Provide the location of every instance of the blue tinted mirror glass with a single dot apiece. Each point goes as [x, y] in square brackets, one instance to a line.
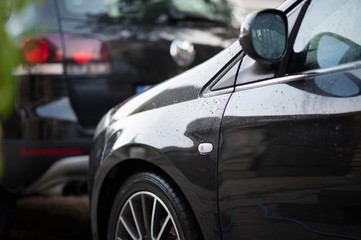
[269, 36]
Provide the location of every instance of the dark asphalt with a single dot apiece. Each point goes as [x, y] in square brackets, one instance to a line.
[52, 218]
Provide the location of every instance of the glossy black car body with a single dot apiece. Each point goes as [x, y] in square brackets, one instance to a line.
[266, 149]
[83, 57]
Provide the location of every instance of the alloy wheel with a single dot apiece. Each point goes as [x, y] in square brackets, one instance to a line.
[145, 216]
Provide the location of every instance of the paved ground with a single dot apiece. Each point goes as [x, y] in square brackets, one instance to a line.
[52, 218]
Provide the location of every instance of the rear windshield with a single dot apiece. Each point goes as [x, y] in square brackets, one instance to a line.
[148, 10]
[39, 16]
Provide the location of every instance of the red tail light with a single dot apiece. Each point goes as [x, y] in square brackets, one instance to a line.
[57, 54]
[82, 56]
[36, 51]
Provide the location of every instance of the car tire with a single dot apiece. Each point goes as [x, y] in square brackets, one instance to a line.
[7, 213]
[147, 206]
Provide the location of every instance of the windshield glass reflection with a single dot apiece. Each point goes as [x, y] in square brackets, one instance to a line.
[153, 10]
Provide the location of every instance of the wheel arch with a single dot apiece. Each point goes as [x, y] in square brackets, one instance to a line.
[113, 181]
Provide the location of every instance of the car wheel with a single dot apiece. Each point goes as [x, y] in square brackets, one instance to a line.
[148, 207]
[7, 213]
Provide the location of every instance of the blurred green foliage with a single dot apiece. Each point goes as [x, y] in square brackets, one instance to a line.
[9, 57]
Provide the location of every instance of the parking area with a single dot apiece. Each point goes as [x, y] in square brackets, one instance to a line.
[52, 218]
[262, 141]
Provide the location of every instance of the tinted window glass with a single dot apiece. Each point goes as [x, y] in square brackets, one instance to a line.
[327, 35]
[83, 7]
[218, 10]
[213, 9]
[36, 16]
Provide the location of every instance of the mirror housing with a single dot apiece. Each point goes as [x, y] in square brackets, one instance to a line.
[264, 36]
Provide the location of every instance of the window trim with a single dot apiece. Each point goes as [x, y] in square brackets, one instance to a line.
[209, 88]
[299, 76]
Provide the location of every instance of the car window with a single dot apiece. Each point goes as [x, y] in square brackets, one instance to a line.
[212, 9]
[327, 36]
[156, 10]
[39, 15]
[227, 77]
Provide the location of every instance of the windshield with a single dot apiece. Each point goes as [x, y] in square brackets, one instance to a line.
[150, 10]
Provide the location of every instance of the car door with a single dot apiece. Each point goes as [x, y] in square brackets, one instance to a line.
[289, 158]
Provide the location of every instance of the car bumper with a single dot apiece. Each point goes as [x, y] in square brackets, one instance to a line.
[30, 166]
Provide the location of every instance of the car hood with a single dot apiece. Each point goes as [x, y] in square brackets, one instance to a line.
[181, 88]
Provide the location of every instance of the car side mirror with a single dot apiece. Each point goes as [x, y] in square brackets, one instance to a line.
[264, 36]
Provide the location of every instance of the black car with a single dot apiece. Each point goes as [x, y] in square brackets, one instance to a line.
[82, 57]
[262, 141]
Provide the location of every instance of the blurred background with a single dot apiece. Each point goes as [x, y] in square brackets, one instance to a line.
[243, 7]
[63, 64]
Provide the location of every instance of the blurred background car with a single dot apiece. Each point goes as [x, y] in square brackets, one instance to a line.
[269, 150]
[79, 58]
